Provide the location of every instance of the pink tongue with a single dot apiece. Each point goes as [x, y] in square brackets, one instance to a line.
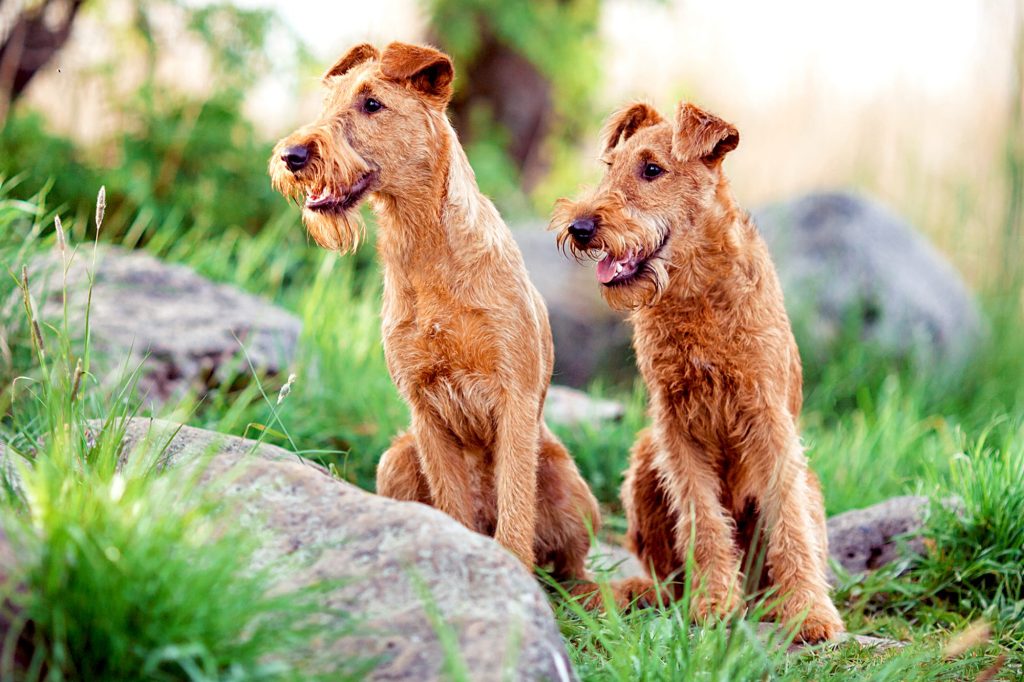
[606, 269]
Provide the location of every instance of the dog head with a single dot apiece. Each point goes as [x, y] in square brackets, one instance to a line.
[645, 217]
[376, 134]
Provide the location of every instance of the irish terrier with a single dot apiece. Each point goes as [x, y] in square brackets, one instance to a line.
[465, 333]
[714, 345]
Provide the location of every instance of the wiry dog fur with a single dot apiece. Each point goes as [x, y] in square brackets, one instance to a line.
[714, 345]
[465, 333]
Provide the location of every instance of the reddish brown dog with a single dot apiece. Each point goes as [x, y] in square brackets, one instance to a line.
[715, 348]
[465, 333]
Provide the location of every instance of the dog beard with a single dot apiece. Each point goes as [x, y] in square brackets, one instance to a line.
[338, 228]
[336, 231]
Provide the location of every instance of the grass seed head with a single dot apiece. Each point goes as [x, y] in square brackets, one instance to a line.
[62, 242]
[101, 207]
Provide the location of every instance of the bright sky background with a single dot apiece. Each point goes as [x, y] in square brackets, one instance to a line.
[858, 42]
[861, 44]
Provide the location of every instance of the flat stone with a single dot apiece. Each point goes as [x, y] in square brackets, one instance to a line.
[876, 644]
[866, 539]
[571, 407]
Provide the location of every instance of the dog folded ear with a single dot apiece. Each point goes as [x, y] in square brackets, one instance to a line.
[357, 55]
[624, 123]
[700, 135]
[427, 70]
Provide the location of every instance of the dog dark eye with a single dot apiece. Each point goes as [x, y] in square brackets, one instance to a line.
[652, 170]
[372, 106]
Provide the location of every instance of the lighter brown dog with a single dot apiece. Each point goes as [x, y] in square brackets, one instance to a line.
[715, 348]
[465, 333]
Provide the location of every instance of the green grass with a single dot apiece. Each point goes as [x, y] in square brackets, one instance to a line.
[873, 429]
[977, 556]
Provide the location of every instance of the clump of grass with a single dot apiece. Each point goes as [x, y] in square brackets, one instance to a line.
[890, 424]
[661, 643]
[665, 643]
[976, 543]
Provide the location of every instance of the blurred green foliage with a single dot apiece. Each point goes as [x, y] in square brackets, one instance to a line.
[549, 33]
[176, 158]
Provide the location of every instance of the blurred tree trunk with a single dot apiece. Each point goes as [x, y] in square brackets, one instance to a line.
[518, 98]
[528, 70]
[31, 34]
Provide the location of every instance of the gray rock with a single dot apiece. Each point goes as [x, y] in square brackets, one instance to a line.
[590, 338]
[846, 260]
[185, 331]
[394, 561]
[876, 644]
[569, 407]
[866, 539]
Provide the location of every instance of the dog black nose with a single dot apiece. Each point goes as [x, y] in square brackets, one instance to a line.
[582, 229]
[295, 157]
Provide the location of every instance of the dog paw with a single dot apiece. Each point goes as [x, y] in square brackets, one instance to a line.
[822, 624]
[639, 593]
[720, 605]
[626, 595]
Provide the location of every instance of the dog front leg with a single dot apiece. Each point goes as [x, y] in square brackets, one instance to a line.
[516, 452]
[794, 546]
[703, 526]
[443, 466]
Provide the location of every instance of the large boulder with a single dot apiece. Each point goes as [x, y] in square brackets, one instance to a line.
[848, 263]
[393, 562]
[184, 330]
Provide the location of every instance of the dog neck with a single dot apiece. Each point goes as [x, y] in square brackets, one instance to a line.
[444, 218]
